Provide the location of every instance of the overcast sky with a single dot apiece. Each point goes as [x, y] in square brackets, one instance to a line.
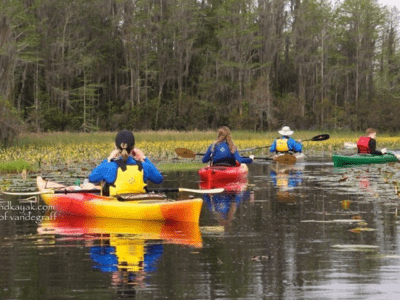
[390, 2]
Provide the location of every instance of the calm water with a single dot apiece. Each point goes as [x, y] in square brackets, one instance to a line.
[308, 232]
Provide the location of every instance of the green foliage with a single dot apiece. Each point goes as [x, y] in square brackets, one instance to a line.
[82, 65]
[54, 120]
[10, 123]
[174, 167]
[15, 166]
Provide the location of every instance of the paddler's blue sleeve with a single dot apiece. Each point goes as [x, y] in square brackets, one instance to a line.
[150, 172]
[273, 147]
[272, 174]
[294, 146]
[295, 179]
[207, 199]
[106, 171]
[242, 160]
[207, 156]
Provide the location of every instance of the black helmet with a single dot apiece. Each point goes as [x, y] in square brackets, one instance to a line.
[125, 137]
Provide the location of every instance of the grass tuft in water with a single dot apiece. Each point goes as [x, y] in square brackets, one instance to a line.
[180, 166]
[15, 166]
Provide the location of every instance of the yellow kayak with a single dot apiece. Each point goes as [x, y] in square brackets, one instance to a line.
[183, 233]
[94, 205]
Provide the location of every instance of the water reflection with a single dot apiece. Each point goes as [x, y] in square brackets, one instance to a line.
[128, 249]
[286, 178]
[364, 184]
[224, 205]
[129, 260]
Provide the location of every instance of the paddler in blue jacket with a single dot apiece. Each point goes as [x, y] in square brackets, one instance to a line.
[223, 151]
[285, 143]
[122, 173]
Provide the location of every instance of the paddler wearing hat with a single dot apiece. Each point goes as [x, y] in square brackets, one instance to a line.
[285, 143]
[126, 170]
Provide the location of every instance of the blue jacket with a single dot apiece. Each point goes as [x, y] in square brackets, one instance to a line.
[222, 154]
[107, 171]
[221, 203]
[292, 144]
[106, 260]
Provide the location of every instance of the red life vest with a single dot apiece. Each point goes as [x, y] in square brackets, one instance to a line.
[363, 145]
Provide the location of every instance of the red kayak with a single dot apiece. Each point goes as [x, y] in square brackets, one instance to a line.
[231, 187]
[220, 175]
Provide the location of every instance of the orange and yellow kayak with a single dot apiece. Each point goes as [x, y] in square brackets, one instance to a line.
[94, 205]
[184, 233]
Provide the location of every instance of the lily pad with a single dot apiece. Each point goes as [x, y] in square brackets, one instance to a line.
[360, 229]
[355, 247]
[212, 229]
[344, 221]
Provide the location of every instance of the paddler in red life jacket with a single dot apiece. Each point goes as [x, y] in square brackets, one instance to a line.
[123, 173]
[285, 143]
[223, 151]
[367, 144]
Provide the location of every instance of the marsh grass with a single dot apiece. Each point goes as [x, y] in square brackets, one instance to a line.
[180, 166]
[15, 166]
[48, 139]
[42, 150]
[63, 138]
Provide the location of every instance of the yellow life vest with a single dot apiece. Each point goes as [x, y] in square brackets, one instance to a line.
[282, 145]
[130, 252]
[282, 181]
[129, 181]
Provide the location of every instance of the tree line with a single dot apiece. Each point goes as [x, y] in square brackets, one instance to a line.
[198, 64]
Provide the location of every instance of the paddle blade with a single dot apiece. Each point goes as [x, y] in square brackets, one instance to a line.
[24, 193]
[210, 191]
[185, 153]
[321, 137]
[176, 190]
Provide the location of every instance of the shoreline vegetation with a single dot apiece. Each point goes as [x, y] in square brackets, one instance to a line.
[185, 65]
[63, 150]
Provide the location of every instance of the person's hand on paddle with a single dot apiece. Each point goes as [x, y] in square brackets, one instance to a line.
[384, 150]
[138, 154]
[251, 157]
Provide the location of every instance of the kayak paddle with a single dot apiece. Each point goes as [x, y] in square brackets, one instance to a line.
[172, 190]
[51, 192]
[187, 153]
[97, 191]
[283, 159]
[317, 138]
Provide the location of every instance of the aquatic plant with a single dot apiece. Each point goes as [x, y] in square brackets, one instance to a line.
[52, 149]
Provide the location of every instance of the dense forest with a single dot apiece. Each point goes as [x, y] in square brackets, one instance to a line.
[198, 64]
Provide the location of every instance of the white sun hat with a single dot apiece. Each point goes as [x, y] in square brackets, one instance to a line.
[285, 131]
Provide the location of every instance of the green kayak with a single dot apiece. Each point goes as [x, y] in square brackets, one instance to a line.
[362, 159]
